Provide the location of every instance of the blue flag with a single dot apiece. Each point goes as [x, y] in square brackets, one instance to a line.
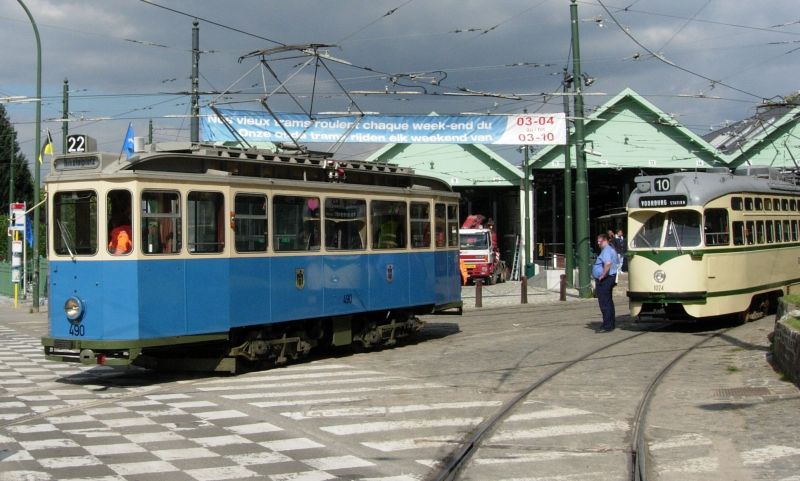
[29, 230]
[127, 145]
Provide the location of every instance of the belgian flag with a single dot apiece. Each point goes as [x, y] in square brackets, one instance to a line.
[47, 147]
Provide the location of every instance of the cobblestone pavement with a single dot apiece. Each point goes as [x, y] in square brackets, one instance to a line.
[391, 415]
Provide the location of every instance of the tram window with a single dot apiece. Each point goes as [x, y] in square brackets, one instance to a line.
[787, 236]
[749, 232]
[683, 229]
[776, 203]
[649, 235]
[760, 232]
[736, 203]
[770, 231]
[345, 224]
[75, 229]
[738, 233]
[767, 204]
[161, 222]
[794, 231]
[296, 226]
[118, 211]
[388, 224]
[250, 223]
[716, 227]
[440, 224]
[778, 233]
[420, 225]
[452, 225]
[758, 203]
[206, 212]
[748, 203]
[785, 204]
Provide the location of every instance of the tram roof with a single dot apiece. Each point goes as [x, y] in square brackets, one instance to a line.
[208, 159]
[703, 187]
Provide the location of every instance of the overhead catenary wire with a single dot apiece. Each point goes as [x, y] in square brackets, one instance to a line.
[373, 22]
[212, 22]
[772, 29]
[661, 58]
[509, 105]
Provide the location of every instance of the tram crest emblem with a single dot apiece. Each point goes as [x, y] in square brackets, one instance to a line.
[299, 278]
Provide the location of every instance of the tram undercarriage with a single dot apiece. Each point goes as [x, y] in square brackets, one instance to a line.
[247, 348]
[760, 305]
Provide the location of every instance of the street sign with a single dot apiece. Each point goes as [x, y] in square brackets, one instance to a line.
[17, 217]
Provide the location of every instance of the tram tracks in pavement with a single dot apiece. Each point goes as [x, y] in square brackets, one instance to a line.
[451, 467]
[638, 443]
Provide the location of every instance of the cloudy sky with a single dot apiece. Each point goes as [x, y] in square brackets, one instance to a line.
[129, 61]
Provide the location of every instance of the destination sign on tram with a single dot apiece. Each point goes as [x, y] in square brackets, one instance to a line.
[663, 201]
[77, 163]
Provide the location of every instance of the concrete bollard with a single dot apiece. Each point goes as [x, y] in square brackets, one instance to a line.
[563, 288]
[524, 290]
[478, 292]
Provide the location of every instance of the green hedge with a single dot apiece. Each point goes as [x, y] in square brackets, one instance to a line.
[7, 288]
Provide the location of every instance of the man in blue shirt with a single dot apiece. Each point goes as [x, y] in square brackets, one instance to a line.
[604, 272]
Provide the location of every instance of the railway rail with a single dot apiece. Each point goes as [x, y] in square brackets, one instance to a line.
[453, 466]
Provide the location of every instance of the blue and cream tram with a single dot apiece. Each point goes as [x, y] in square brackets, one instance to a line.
[199, 256]
[713, 243]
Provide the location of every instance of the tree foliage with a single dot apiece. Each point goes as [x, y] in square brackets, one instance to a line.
[23, 180]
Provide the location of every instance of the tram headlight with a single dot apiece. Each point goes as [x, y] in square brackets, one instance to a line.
[73, 308]
[659, 276]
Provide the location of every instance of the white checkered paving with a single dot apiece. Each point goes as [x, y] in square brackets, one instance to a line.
[314, 421]
[250, 426]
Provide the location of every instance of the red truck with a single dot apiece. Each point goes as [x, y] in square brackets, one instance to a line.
[479, 252]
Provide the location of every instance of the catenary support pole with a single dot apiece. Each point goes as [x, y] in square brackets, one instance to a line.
[65, 117]
[194, 124]
[36, 165]
[10, 183]
[569, 261]
[526, 172]
[581, 181]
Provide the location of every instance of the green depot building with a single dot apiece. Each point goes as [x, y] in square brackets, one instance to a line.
[625, 137]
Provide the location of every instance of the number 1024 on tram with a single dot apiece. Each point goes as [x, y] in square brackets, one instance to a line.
[705, 244]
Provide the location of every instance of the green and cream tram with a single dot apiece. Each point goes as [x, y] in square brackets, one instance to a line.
[712, 243]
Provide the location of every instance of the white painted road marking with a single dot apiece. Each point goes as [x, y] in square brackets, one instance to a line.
[381, 426]
[563, 430]
[384, 410]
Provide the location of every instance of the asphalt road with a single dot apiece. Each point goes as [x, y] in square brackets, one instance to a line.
[394, 414]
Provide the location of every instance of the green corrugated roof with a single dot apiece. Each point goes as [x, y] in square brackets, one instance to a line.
[630, 132]
[459, 165]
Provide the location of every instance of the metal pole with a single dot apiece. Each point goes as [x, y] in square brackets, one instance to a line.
[569, 262]
[581, 182]
[194, 125]
[10, 185]
[527, 180]
[150, 132]
[65, 117]
[554, 217]
[36, 166]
